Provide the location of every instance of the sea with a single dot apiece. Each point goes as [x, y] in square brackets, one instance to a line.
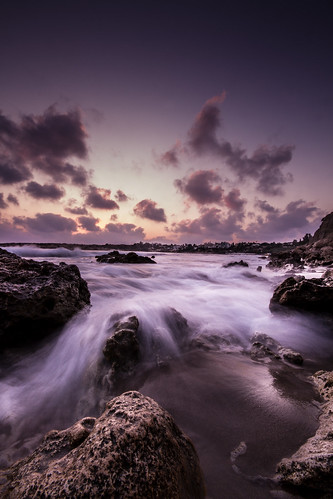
[197, 319]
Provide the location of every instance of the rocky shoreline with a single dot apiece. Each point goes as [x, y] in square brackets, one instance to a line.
[135, 449]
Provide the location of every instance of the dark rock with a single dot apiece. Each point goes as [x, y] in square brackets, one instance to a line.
[116, 257]
[241, 263]
[264, 348]
[36, 298]
[134, 450]
[122, 348]
[310, 470]
[314, 295]
[259, 268]
[319, 251]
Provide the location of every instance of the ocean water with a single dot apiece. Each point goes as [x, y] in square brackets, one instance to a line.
[201, 373]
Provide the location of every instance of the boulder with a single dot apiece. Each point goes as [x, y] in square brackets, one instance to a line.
[241, 263]
[121, 349]
[116, 257]
[36, 298]
[310, 470]
[313, 295]
[133, 450]
[264, 348]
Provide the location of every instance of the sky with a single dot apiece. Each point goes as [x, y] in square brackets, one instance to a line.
[166, 121]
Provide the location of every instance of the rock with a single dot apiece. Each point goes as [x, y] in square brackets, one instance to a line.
[134, 450]
[266, 348]
[259, 268]
[122, 348]
[116, 257]
[319, 251]
[36, 298]
[310, 470]
[313, 295]
[241, 263]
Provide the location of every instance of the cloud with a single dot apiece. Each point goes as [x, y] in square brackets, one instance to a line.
[297, 218]
[3, 203]
[53, 134]
[77, 210]
[11, 173]
[43, 142]
[125, 233]
[199, 187]
[100, 198]
[264, 165]
[89, 224]
[12, 199]
[172, 156]
[121, 196]
[148, 209]
[46, 191]
[211, 225]
[46, 223]
[233, 201]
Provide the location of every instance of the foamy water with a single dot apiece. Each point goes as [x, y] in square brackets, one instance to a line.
[58, 383]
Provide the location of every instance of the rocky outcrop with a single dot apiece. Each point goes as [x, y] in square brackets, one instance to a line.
[121, 349]
[36, 297]
[313, 295]
[133, 450]
[319, 251]
[241, 263]
[310, 470]
[116, 257]
[264, 348]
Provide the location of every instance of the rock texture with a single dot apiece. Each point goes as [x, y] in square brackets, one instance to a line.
[36, 297]
[116, 257]
[313, 295]
[134, 450]
[265, 348]
[310, 470]
[241, 263]
[319, 251]
[122, 347]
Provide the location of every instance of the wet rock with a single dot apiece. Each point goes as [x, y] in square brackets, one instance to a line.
[241, 263]
[314, 295]
[116, 257]
[259, 268]
[266, 348]
[36, 298]
[133, 450]
[122, 348]
[310, 470]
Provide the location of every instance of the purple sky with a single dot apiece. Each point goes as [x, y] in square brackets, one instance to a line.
[167, 121]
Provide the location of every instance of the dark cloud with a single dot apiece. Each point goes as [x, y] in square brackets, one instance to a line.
[11, 173]
[126, 232]
[100, 198]
[12, 199]
[89, 224]
[121, 196]
[294, 221]
[3, 203]
[233, 201]
[148, 209]
[199, 187]
[265, 206]
[264, 165]
[53, 134]
[46, 191]
[45, 143]
[211, 225]
[46, 223]
[76, 210]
